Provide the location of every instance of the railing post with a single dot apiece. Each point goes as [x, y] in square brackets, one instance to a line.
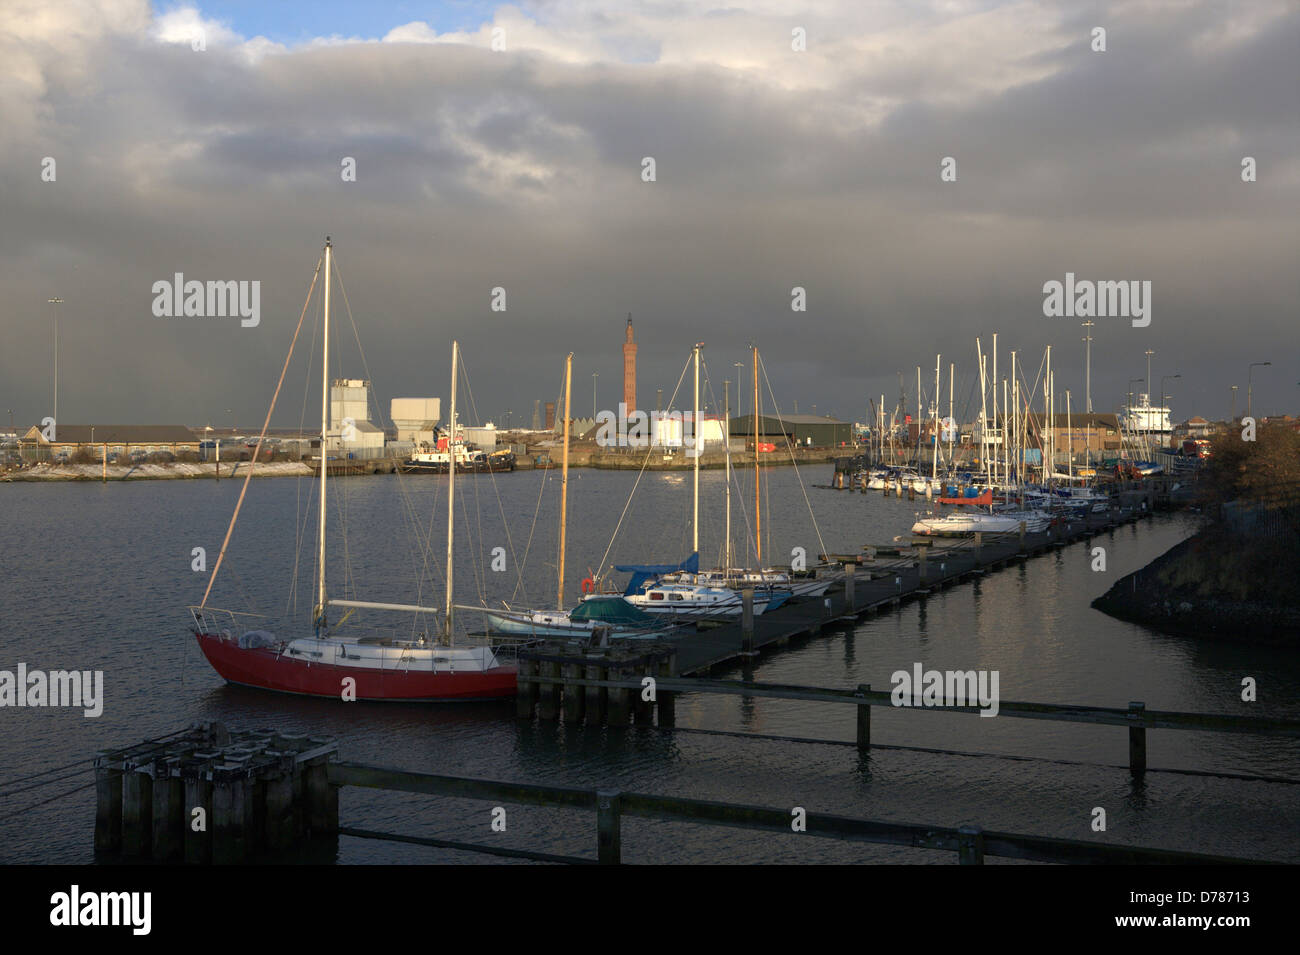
[609, 840]
[970, 845]
[864, 716]
[1137, 740]
[526, 689]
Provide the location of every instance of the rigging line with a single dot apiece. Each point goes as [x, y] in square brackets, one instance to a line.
[425, 543]
[532, 531]
[157, 740]
[645, 461]
[537, 509]
[480, 582]
[19, 812]
[505, 524]
[257, 450]
[775, 407]
[300, 530]
[464, 510]
[46, 772]
[23, 789]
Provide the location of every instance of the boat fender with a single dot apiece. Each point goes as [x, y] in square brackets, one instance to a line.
[588, 585]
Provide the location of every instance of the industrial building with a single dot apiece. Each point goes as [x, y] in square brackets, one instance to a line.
[805, 430]
[416, 419]
[121, 439]
[352, 433]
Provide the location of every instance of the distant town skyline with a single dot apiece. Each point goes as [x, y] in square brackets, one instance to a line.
[912, 176]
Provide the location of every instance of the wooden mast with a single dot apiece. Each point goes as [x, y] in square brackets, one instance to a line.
[758, 509]
[564, 481]
[324, 439]
[451, 490]
[695, 452]
[726, 434]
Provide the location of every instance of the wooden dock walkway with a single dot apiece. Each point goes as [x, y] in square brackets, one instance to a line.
[928, 565]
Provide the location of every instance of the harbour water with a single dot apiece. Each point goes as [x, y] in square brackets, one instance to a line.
[97, 577]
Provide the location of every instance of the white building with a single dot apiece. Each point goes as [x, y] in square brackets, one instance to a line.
[415, 419]
[351, 433]
[484, 438]
[666, 431]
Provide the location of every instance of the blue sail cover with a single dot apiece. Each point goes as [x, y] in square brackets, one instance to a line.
[643, 572]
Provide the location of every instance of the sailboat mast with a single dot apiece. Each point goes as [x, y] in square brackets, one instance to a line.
[726, 414]
[1046, 441]
[934, 461]
[952, 434]
[758, 510]
[564, 481]
[1069, 441]
[324, 434]
[695, 440]
[1002, 433]
[451, 488]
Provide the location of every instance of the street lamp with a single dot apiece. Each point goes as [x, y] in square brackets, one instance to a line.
[1234, 405]
[1163, 396]
[594, 376]
[56, 301]
[1130, 403]
[1087, 365]
[1250, 372]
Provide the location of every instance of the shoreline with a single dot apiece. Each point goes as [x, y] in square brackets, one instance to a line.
[1172, 595]
[186, 471]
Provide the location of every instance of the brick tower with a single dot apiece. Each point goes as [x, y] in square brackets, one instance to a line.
[629, 369]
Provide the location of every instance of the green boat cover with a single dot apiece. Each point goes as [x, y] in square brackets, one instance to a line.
[614, 611]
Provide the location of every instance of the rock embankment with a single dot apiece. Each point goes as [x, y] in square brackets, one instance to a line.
[1208, 586]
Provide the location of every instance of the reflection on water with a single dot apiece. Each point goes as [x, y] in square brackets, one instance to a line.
[97, 577]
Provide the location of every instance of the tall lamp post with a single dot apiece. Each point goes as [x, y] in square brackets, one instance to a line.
[1250, 372]
[594, 376]
[1087, 364]
[1130, 406]
[56, 301]
[1234, 405]
[1163, 396]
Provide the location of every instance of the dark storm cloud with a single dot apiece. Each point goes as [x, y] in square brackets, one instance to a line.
[478, 169]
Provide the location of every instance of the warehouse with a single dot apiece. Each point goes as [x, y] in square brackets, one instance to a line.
[65, 440]
[805, 430]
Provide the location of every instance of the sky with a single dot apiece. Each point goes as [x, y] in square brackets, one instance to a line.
[213, 140]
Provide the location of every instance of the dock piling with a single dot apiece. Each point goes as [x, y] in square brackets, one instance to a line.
[1137, 741]
[609, 838]
[970, 845]
[108, 802]
[864, 717]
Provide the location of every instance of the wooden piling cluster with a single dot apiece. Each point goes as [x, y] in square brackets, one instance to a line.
[562, 679]
[212, 796]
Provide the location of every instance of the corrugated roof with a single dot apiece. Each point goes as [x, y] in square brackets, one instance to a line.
[122, 434]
